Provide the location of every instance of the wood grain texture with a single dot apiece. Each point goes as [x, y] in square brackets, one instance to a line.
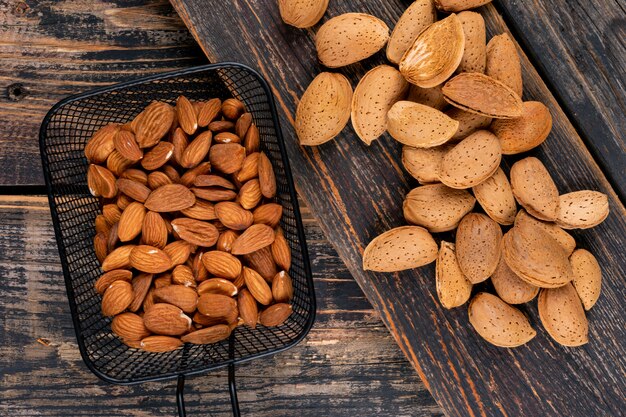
[579, 48]
[52, 49]
[348, 365]
[356, 193]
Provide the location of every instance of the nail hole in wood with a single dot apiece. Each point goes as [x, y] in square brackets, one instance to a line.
[16, 92]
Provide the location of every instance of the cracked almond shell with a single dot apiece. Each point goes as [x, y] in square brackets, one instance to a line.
[475, 51]
[459, 5]
[435, 54]
[478, 93]
[349, 38]
[324, 109]
[503, 62]
[525, 132]
[536, 257]
[398, 249]
[582, 209]
[453, 289]
[511, 288]
[468, 122]
[499, 323]
[563, 316]
[419, 126]
[423, 163]
[534, 189]
[587, 277]
[496, 198]
[376, 92]
[478, 246]
[436, 207]
[302, 13]
[471, 161]
[566, 240]
[417, 17]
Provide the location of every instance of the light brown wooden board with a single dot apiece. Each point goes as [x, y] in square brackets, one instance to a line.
[356, 192]
[348, 365]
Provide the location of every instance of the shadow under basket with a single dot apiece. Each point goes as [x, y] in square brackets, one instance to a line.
[63, 135]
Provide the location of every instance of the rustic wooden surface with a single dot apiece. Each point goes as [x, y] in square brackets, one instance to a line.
[349, 365]
[51, 49]
[580, 50]
[356, 193]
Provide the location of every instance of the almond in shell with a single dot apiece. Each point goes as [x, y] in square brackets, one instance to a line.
[499, 323]
[129, 326]
[221, 264]
[582, 209]
[587, 277]
[252, 239]
[563, 316]
[398, 249]
[117, 298]
[171, 197]
[324, 109]
[475, 52]
[419, 126]
[511, 288]
[468, 122]
[534, 189]
[471, 161]
[431, 97]
[503, 63]
[496, 198]
[275, 315]
[418, 16]
[207, 335]
[536, 257]
[436, 207]
[349, 38]
[459, 5]
[180, 296]
[566, 240]
[525, 132]
[166, 319]
[302, 13]
[423, 163]
[195, 231]
[376, 92]
[435, 54]
[453, 288]
[478, 246]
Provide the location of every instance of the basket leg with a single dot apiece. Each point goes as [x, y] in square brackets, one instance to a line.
[180, 401]
[232, 388]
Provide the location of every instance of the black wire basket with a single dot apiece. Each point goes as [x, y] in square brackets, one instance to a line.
[64, 132]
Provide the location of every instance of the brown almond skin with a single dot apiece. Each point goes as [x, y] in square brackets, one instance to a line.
[129, 326]
[257, 286]
[183, 297]
[268, 214]
[499, 323]
[117, 298]
[233, 216]
[131, 222]
[101, 182]
[217, 286]
[262, 261]
[227, 157]
[100, 247]
[141, 287]
[160, 344]
[247, 308]
[216, 305]
[133, 189]
[281, 251]
[119, 258]
[149, 259]
[195, 231]
[171, 197]
[166, 319]
[252, 239]
[563, 316]
[221, 264]
[207, 335]
[108, 278]
[478, 246]
[101, 144]
[275, 315]
[282, 287]
[158, 156]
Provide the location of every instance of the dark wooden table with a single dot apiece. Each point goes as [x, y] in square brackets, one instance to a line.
[349, 364]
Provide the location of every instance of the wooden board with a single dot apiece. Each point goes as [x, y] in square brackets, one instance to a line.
[51, 49]
[348, 365]
[357, 191]
[579, 49]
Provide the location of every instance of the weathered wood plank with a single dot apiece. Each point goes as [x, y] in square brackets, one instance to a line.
[357, 191]
[579, 48]
[50, 49]
[348, 365]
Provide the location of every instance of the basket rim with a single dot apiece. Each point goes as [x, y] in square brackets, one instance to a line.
[59, 238]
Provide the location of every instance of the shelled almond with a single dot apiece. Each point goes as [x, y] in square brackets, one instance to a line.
[187, 220]
[453, 99]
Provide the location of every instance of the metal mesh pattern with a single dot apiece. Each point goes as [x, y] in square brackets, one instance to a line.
[64, 133]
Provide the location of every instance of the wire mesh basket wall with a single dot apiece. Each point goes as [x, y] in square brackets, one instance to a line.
[64, 133]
